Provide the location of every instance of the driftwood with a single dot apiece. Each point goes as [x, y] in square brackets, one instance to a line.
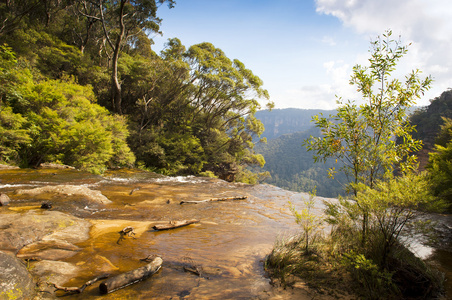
[77, 290]
[174, 224]
[131, 277]
[127, 231]
[215, 199]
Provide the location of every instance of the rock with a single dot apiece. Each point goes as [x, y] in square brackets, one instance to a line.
[46, 205]
[8, 167]
[21, 229]
[15, 281]
[48, 250]
[4, 199]
[57, 272]
[69, 190]
[55, 166]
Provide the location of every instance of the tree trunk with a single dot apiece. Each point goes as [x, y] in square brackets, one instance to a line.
[116, 84]
[131, 277]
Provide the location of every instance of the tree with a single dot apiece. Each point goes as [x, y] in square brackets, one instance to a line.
[196, 97]
[363, 137]
[121, 21]
[440, 163]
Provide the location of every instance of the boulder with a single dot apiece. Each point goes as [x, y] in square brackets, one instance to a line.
[69, 190]
[21, 229]
[4, 199]
[15, 281]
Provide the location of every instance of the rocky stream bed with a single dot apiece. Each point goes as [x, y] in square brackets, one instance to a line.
[79, 235]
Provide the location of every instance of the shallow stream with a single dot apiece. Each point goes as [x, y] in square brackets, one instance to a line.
[227, 246]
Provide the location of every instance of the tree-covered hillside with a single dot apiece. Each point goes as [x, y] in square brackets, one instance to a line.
[81, 85]
[292, 167]
[428, 121]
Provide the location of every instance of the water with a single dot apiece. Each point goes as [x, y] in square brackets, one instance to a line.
[227, 246]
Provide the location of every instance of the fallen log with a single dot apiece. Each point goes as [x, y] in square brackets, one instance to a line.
[174, 224]
[131, 277]
[77, 290]
[215, 199]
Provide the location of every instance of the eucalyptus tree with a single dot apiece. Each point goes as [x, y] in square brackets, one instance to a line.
[121, 21]
[362, 135]
[199, 94]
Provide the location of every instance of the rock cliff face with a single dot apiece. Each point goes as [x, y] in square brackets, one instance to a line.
[290, 120]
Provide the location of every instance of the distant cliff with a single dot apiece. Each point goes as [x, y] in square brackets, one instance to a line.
[278, 122]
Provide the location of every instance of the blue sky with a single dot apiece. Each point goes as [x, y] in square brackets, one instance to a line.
[304, 50]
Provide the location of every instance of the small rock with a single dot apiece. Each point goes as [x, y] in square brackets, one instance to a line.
[4, 199]
[46, 205]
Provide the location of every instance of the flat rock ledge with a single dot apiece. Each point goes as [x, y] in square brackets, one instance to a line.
[69, 190]
[8, 167]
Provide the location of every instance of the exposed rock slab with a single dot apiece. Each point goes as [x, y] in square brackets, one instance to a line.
[15, 281]
[69, 190]
[58, 272]
[49, 250]
[20, 229]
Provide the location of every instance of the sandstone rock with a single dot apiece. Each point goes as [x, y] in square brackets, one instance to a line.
[8, 167]
[48, 250]
[15, 281]
[69, 190]
[21, 229]
[57, 272]
[4, 199]
[55, 166]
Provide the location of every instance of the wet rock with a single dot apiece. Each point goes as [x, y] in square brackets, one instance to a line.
[48, 250]
[7, 167]
[20, 229]
[57, 272]
[69, 190]
[46, 205]
[55, 166]
[4, 200]
[15, 281]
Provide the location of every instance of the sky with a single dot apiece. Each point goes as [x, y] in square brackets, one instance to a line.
[305, 50]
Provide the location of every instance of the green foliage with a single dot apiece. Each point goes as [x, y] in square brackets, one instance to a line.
[440, 164]
[428, 120]
[65, 125]
[310, 222]
[194, 112]
[12, 136]
[378, 283]
[57, 121]
[362, 136]
[365, 231]
[292, 167]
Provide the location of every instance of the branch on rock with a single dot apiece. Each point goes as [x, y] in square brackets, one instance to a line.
[77, 290]
[215, 199]
[127, 231]
[131, 277]
[175, 224]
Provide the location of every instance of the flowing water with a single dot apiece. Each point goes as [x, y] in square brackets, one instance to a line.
[227, 246]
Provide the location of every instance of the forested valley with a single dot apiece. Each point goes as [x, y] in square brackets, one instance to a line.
[81, 85]
[291, 166]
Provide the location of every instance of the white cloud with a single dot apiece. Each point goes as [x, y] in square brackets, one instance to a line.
[425, 23]
[329, 41]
